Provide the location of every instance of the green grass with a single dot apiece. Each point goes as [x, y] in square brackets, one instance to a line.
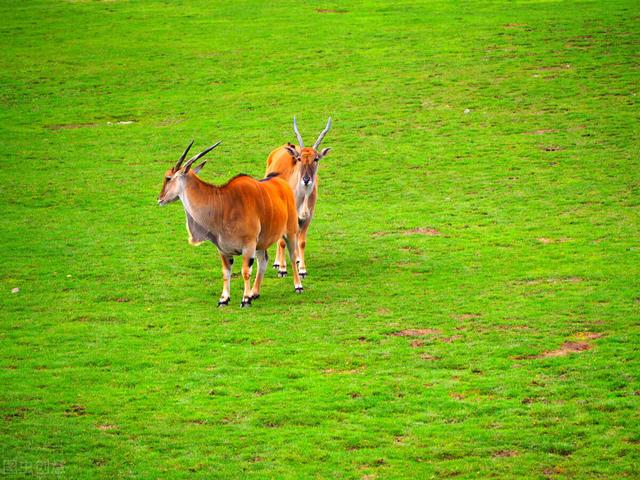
[115, 361]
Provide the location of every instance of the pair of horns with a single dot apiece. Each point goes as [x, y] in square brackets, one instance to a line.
[318, 141]
[193, 159]
[204, 152]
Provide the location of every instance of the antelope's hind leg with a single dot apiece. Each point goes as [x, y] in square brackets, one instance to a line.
[248, 255]
[226, 279]
[302, 243]
[262, 258]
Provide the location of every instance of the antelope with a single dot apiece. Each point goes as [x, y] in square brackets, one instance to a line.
[242, 217]
[299, 166]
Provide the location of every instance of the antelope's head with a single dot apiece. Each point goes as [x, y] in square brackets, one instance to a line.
[174, 178]
[308, 157]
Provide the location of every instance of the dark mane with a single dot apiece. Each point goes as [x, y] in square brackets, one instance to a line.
[270, 176]
[234, 178]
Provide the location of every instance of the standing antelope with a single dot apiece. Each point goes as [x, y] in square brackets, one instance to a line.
[243, 217]
[298, 165]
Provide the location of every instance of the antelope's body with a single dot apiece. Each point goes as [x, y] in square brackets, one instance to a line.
[298, 165]
[243, 217]
[239, 213]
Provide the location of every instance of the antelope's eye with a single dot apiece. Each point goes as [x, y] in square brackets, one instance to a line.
[167, 178]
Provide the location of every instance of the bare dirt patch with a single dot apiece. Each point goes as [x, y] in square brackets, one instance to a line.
[542, 131]
[429, 358]
[551, 280]
[582, 37]
[553, 68]
[432, 232]
[551, 148]
[331, 10]
[428, 231]
[417, 344]
[170, 121]
[352, 371]
[399, 439]
[412, 249]
[71, 126]
[467, 316]
[75, 411]
[416, 332]
[588, 335]
[451, 339]
[505, 454]
[549, 472]
[547, 241]
[514, 25]
[106, 427]
[564, 350]
[122, 122]
[19, 413]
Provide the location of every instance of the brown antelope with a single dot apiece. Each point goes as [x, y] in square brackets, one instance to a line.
[299, 166]
[242, 217]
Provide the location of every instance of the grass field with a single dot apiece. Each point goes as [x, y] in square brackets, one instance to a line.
[473, 302]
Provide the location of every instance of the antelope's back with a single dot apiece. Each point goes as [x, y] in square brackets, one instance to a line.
[267, 203]
[278, 193]
[277, 210]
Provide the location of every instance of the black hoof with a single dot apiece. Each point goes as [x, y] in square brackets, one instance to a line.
[223, 303]
[299, 289]
[255, 297]
[282, 273]
[246, 302]
[276, 266]
[302, 274]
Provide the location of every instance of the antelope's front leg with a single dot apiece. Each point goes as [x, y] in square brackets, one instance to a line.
[292, 246]
[302, 243]
[281, 263]
[226, 279]
[248, 254]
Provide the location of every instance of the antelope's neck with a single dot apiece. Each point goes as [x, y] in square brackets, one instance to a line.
[200, 200]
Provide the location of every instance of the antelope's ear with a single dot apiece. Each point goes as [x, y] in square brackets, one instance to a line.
[292, 151]
[199, 167]
[324, 153]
